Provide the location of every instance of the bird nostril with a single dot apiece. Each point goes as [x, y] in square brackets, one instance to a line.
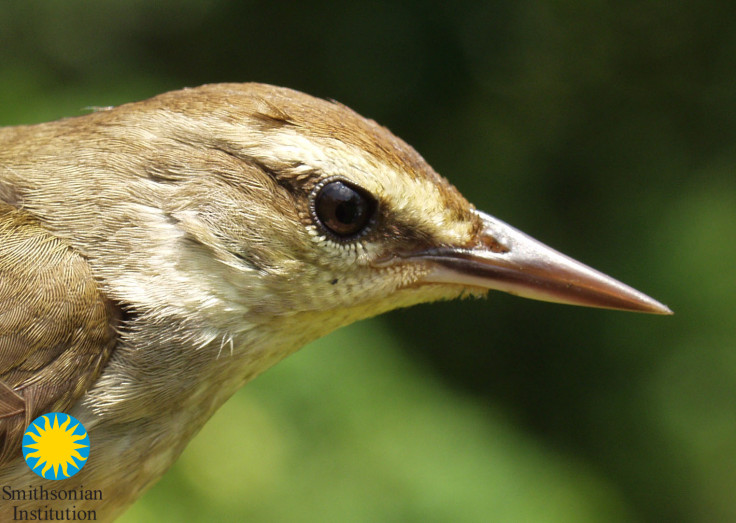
[490, 243]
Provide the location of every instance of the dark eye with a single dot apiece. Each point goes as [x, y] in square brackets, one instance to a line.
[344, 209]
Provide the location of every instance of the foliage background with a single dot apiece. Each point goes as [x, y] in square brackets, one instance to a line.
[605, 129]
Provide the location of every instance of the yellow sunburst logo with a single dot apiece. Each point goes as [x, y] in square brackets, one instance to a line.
[56, 446]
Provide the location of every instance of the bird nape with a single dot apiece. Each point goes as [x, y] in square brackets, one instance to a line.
[156, 256]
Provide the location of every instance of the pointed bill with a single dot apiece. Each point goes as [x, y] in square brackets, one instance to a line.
[511, 261]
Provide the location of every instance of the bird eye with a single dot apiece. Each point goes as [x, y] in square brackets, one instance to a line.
[343, 209]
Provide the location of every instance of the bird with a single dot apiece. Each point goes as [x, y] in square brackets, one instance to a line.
[158, 255]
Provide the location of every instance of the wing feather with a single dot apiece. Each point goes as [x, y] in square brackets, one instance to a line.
[57, 329]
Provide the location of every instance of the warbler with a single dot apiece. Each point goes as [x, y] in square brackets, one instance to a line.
[156, 256]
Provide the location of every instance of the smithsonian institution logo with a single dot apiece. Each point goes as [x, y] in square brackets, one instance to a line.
[56, 445]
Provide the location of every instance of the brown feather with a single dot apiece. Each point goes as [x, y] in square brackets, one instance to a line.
[56, 328]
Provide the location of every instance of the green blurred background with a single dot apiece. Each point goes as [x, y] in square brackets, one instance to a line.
[605, 129]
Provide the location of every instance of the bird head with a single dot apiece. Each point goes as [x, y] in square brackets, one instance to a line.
[315, 215]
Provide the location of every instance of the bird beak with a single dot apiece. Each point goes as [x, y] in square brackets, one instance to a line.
[508, 260]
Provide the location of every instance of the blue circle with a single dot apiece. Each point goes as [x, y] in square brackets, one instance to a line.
[61, 425]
